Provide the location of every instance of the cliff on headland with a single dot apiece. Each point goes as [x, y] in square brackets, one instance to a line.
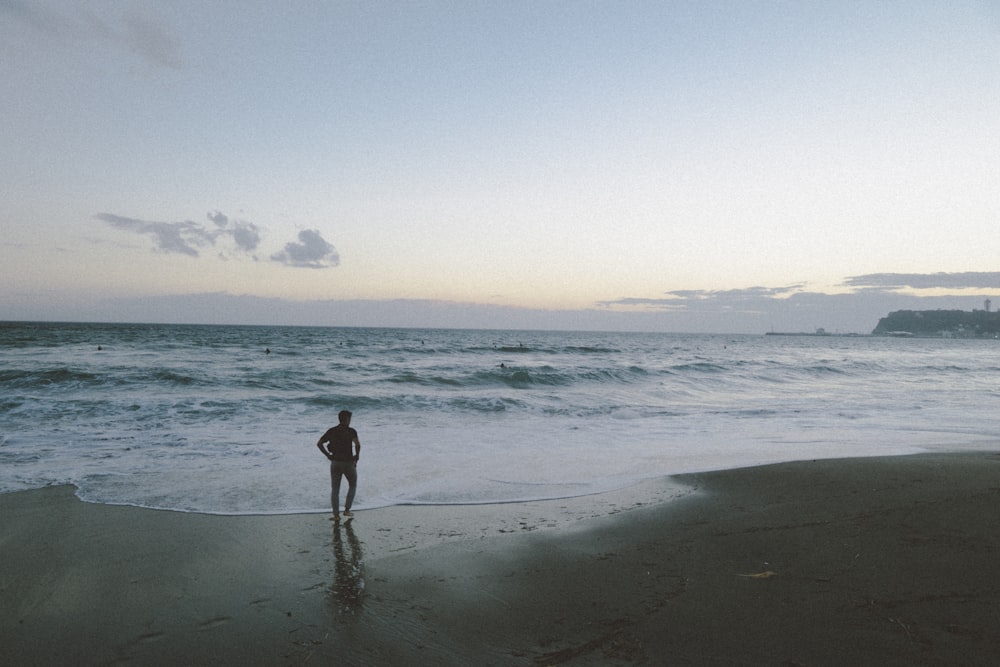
[940, 324]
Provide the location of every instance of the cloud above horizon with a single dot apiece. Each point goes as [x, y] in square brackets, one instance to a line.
[230, 237]
[150, 39]
[138, 31]
[754, 310]
[895, 281]
[756, 299]
[311, 252]
[178, 237]
[678, 299]
[246, 235]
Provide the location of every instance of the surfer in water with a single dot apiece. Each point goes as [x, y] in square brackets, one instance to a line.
[336, 445]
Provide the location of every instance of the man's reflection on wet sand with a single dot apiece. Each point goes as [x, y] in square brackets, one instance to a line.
[348, 589]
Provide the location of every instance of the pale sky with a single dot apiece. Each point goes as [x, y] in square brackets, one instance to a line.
[682, 166]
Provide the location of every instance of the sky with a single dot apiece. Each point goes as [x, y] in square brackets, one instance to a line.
[703, 166]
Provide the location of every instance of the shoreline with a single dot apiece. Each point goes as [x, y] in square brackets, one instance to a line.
[887, 560]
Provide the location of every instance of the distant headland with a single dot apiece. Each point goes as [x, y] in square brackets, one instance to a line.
[940, 324]
[927, 324]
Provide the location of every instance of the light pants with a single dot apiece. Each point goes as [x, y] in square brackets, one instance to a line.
[349, 470]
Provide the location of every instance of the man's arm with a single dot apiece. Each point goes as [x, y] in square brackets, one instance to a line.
[357, 448]
[319, 444]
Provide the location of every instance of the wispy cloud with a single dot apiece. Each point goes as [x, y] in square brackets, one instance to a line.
[796, 307]
[963, 280]
[147, 36]
[230, 237]
[683, 299]
[756, 298]
[151, 39]
[180, 237]
[803, 311]
[245, 234]
[187, 237]
[31, 16]
[312, 252]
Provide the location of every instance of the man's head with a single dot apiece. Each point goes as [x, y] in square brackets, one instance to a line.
[345, 417]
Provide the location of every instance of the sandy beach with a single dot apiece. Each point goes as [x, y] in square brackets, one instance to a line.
[875, 561]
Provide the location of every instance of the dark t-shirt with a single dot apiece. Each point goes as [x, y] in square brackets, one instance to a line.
[341, 438]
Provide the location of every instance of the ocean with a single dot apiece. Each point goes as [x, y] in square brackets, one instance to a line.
[225, 419]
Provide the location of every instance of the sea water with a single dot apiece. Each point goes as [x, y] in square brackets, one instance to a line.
[225, 419]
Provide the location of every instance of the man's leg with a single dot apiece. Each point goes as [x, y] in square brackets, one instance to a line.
[335, 473]
[351, 473]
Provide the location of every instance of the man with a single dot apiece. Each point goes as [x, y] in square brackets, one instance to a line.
[343, 461]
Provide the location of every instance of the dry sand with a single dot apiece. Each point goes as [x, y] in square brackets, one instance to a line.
[881, 561]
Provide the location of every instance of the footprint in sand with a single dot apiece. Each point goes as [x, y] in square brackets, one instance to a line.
[214, 622]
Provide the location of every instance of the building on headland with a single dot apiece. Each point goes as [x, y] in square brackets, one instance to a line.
[941, 323]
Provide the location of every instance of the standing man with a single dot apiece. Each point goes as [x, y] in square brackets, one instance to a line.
[343, 461]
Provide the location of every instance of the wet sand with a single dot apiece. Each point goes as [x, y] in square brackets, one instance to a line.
[880, 561]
